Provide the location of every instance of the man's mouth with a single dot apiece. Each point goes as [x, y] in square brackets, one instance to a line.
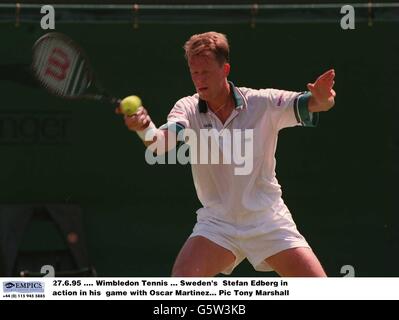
[201, 89]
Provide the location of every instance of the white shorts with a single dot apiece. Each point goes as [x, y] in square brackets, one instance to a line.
[256, 243]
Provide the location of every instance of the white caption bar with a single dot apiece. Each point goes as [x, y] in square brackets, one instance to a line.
[199, 288]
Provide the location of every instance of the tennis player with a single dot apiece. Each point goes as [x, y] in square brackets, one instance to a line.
[243, 216]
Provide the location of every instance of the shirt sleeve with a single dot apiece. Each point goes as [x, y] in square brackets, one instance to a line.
[289, 108]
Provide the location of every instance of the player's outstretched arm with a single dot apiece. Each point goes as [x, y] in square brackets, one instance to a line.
[323, 94]
[140, 122]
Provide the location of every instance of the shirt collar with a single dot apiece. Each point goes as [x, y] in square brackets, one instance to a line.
[239, 100]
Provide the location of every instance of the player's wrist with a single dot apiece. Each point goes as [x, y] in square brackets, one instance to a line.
[312, 103]
[148, 133]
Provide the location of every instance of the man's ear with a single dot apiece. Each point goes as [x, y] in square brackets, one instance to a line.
[226, 69]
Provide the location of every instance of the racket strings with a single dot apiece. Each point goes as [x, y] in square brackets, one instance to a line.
[60, 67]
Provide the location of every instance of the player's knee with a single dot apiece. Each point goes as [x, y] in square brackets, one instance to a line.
[183, 271]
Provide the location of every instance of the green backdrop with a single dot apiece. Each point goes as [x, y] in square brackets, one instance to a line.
[339, 180]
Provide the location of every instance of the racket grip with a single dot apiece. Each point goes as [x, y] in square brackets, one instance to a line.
[115, 101]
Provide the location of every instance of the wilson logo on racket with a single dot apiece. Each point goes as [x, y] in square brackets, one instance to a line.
[57, 64]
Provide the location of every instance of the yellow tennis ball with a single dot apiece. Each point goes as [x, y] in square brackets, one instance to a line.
[130, 104]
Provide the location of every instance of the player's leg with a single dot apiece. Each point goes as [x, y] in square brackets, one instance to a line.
[200, 257]
[296, 262]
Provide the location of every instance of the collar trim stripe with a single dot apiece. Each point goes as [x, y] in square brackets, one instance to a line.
[239, 100]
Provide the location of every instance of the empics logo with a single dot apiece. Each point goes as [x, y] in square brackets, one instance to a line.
[9, 285]
[23, 287]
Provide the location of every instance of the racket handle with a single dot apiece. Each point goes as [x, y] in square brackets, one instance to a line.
[105, 99]
[115, 101]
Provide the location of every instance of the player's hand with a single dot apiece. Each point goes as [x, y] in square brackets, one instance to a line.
[323, 93]
[137, 121]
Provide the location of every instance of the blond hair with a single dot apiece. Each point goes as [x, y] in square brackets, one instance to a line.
[203, 43]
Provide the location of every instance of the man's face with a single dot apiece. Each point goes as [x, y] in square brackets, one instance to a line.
[209, 77]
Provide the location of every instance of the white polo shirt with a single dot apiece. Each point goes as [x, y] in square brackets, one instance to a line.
[244, 199]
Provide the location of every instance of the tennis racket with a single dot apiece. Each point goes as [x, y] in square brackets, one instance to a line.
[63, 69]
